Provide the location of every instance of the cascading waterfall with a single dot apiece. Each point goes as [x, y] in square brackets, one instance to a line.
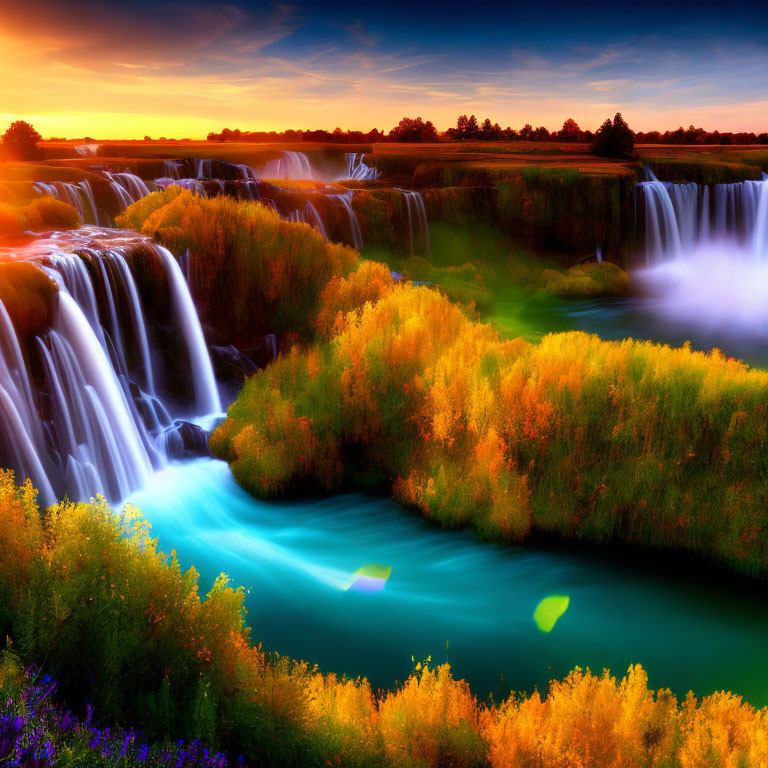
[79, 196]
[707, 255]
[418, 226]
[128, 187]
[681, 217]
[87, 150]
[193, 185]
[356, 168]
[95, 421]
[290, 165]
[206, 391]
[173, 168]
[344, 199]
[308, 215]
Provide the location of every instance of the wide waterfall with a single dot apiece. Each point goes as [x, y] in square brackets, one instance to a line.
[707, 255]
[88, 406]
[126, 189]
[681, 217]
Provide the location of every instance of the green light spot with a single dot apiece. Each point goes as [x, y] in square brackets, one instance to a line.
[549, 610]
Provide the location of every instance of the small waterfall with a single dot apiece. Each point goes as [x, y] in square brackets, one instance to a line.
[308, 215]
[79, 196]
[345, 200]
[173, 168]
[193, 185]
[202, 168]
[418, 226]
[87, 150]
[246, 172]
[290, 165]
[356, 168]
[94, 421]
[680, 217]
[128, 187]
[311, 216]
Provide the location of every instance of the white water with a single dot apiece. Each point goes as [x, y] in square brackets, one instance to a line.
[79, 196]
[357, 170]
[345, 200]
[418, 227]
[290, 165]
[193, 185]
[95, 423]
[707, 255]
[206, 392]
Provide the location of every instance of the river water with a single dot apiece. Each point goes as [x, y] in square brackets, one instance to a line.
[449, 596]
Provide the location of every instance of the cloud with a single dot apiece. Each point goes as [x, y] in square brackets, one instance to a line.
[203, 65]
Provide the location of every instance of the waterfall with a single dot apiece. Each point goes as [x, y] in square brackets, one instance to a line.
[290, 165]
[128, 187]
[81, 411]
[206, 392]
[194, 185]
[79, 196]
[707, 257]
[681, 217]
[172, 168]
[202, 168]
[356, 168]
[418, 226]
[87, 150]
[311, 216]
[246, 172]
[760, 245]
[345, 201]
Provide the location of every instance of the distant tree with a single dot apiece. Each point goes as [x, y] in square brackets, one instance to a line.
[20, 141]
[413, 130]
[526, 132]
[614, 139]
[570, 131]
[149, 138]
[490, 131]
[540, 134]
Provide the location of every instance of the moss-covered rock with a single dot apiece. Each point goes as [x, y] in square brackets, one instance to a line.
[28, 295]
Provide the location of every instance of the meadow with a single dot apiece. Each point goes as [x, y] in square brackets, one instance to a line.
[439, 378]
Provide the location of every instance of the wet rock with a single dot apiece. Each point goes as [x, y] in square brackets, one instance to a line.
[185, 440]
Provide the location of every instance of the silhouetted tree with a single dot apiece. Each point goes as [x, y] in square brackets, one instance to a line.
[413, 130]
[526, 132]
[614, 139]
[570, 131]
[20, 140]
[490, 131]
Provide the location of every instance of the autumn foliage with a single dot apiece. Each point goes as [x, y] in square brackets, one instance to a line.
[40, 214]
[250, 272]
[85, 592]
[628, 442]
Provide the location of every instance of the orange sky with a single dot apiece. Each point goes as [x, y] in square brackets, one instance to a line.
[184, 74]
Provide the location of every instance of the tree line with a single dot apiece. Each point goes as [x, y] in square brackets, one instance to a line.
[469, 128]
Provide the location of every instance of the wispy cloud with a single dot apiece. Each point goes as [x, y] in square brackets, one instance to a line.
[191, 66]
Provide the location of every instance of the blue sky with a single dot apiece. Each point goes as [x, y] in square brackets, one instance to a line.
[187, 67]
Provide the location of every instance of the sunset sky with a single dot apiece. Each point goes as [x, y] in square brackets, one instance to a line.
[181, 69]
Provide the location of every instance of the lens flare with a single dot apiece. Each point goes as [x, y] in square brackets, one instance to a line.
[369, 578]
[549, 610]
